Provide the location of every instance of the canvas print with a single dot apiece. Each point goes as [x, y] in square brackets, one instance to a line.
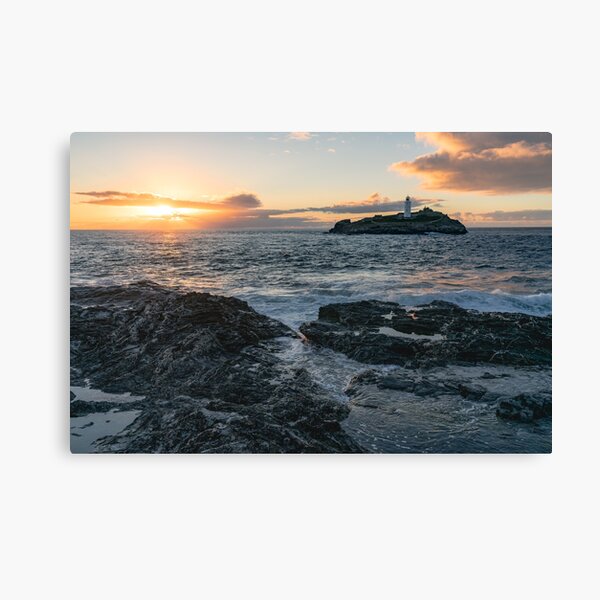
[296, 292]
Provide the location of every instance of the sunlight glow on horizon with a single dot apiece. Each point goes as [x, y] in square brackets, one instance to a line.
[164, 210]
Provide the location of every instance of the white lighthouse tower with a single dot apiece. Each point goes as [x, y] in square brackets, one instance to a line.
[407, 204]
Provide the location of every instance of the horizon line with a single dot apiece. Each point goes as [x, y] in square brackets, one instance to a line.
[299, 229]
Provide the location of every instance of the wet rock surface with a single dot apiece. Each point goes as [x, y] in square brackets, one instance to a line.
[442, 378]
[525, 407]
[80, 408]
[436, 334]
[208, 369]
[142, 337]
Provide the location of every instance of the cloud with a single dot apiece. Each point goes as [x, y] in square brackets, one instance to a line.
[332, 150]
[492, 163]
[241, 210]
[245, 209]
[241, 201]
[125, 198]
[375, 203]
[506, 216]
[290, 217]
[300, 136]
[478, 141]
[255, 219]
[114, 198]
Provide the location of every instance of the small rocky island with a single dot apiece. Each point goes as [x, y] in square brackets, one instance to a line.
[423, 221]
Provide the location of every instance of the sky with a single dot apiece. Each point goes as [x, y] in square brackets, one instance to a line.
[170, 181]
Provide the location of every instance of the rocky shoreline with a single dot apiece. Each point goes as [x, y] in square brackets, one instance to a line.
[207, 368]
[432, 335]
[212, 377]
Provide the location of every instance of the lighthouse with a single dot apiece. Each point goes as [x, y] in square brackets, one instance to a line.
[407, 203]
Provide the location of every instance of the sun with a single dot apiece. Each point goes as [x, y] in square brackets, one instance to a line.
[161, 210]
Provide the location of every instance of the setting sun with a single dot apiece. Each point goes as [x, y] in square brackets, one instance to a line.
[162, 210]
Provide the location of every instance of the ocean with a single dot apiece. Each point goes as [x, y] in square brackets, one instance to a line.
[288, 275]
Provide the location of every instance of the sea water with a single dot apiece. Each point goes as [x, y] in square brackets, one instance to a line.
[288, 275]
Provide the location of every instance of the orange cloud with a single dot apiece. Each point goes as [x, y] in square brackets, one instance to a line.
[373, 204]
[113, 198]
[491, 163]
[238, 210]
[531, 216]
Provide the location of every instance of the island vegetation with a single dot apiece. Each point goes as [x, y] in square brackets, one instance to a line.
[423, 221]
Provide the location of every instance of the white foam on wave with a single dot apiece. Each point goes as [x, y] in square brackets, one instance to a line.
[496, 301]
[299, 308]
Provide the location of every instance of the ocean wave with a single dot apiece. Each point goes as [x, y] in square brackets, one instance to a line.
[295, 309]
[495, 301]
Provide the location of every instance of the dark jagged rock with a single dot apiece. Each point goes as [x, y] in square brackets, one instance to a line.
[293, 417]
[80, 408]
[471, 391]
[424, 221]
[208, 368]
[422, 383]
[438, 333]
[142, 336]
[525, 407]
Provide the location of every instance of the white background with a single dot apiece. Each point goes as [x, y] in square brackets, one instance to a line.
[289, 527]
